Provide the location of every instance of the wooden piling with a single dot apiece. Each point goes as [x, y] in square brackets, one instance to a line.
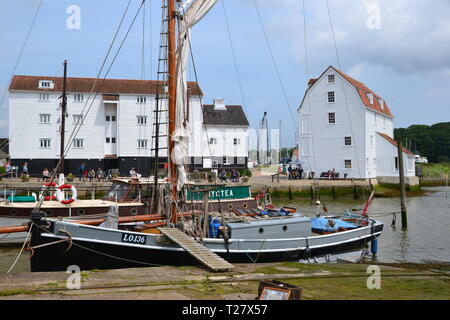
[402, 186]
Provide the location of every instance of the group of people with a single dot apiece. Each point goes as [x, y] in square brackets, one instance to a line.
[295, 171]
[9, 169]
[91, 174]
[234, 176]
[331, 174]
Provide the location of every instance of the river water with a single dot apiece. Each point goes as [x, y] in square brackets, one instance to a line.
[427, 238]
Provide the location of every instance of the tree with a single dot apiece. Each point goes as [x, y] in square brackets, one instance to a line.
[428, 141]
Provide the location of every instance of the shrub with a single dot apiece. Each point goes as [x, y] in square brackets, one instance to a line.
[25, 178]
[70, 177]
[2, 172]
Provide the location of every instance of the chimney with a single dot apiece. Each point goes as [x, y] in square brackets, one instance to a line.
[219, 104]
[311, 82]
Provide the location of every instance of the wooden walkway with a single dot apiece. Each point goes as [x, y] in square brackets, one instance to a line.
[197, 250]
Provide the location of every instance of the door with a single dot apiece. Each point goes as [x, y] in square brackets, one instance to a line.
[110, 129]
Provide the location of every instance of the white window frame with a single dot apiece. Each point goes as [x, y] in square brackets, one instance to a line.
[45, 143]
[331, 76]
[142, 143]
[44, 118]
[78, 97]
[329, 96]
[46, 84]
[228, 161]
[141, 120]
[345, 164]
[236, 141]
[77, 119]
[328, 118]
[78, 143]
[141, 99]
[345, 141]
[212, 140]
[44, 96]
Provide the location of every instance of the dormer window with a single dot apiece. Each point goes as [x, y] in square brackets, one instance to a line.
[46, 84]
[331, 78]
[381, 102]
[370, 97]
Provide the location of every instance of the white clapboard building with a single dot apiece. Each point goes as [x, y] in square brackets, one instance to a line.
[344, 125]
[118, 124]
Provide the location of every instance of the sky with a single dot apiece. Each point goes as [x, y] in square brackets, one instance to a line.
[398, 48]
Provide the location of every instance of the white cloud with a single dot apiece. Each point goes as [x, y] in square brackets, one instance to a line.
[414, 36]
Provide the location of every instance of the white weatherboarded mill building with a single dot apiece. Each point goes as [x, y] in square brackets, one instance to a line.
[118, 126]
[344, 125]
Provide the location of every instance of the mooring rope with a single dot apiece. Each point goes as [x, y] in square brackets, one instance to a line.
[21, 250]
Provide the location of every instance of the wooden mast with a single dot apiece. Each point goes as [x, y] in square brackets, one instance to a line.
[172, 90]
[63, 119]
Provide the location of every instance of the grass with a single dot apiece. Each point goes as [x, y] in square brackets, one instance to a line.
[435, 170]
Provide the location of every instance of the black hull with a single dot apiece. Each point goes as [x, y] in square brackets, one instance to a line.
[91, 255]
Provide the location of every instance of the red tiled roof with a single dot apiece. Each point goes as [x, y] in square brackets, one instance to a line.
[85, 85]
[363, 90]
[392, 141]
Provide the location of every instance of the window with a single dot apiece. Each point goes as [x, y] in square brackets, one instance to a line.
[331, 97]
[78, 143]
[371, 142]
[236, 141]
[45, 118]
[45, 84]
[108, 118]
[43, 96]
[113, 140]
[370, 97]
[141, 120]
[331, 118]
[375, 119]
[142, 144]
[141, 99]
[45, 143]
[331, 78]
[347, 141]
[381, 102]
[212, 140]
[108, 140]
[78, 97]
[77, 119]
[228, 161]
[396, 163]
[113, 118]
[347, 164]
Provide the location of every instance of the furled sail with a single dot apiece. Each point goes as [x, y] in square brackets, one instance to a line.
[192, 12]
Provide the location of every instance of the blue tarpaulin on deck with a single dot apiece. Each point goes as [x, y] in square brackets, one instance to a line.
[324, 225]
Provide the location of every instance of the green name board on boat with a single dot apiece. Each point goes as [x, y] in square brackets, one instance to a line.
[221, 192]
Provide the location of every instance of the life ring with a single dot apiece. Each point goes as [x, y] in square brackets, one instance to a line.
[60, 195]
[53, 184]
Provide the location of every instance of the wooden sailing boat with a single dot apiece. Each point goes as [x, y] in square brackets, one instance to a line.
[211, 238]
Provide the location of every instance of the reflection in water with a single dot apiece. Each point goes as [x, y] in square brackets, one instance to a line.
[427, 237]
[404, 245]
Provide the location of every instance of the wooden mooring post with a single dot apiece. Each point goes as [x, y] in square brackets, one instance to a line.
[402, 186]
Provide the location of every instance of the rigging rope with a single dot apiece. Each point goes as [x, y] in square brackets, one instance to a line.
[344, 91]
[279, 76]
